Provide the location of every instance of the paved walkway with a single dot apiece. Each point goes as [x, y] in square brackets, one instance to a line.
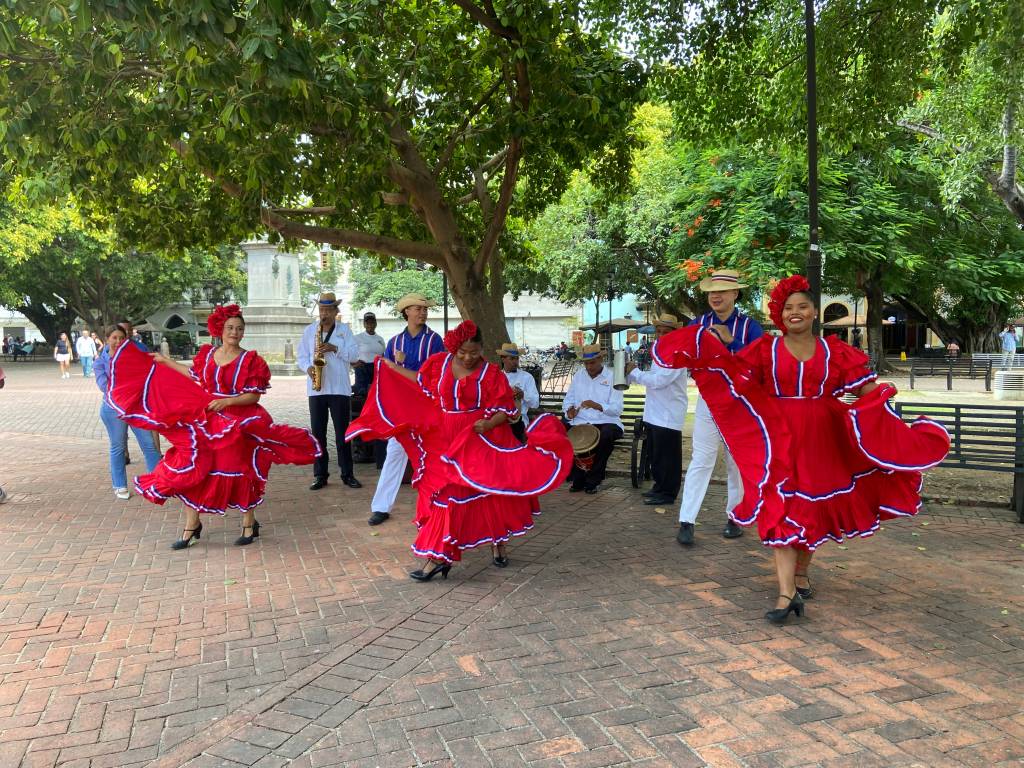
[603, 644]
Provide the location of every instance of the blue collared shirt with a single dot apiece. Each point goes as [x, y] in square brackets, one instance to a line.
[1009, 341]
[416, 348]
[101, 368]
[744, 329]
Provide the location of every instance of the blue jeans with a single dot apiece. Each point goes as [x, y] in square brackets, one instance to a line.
[117, 431]
[86, 366]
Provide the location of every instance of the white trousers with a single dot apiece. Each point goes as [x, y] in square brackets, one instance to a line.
[390, 480]
[705, 442]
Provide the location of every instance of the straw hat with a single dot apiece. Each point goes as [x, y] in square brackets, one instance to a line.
[670, 321]
[722, 280]
[508, 350]
[590, 351]
[583, 438]
[413, 300]
[328, 300]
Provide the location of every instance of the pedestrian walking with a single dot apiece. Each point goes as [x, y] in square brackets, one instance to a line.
[1008, 346]
[117, 430]
[62, 354]
[86, 350]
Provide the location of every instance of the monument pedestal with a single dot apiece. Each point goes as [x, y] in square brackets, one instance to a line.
[274, 314]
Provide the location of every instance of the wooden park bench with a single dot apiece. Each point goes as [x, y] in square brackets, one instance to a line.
[951, 368]
[633, 438]
[989, 438]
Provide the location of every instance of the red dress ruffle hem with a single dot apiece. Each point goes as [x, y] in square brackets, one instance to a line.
[472, 489]
[813, 467]
[216, 461]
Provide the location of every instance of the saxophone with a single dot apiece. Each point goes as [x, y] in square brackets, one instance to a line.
[318, 363]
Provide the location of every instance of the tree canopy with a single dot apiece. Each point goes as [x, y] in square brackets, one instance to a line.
[404, 128]
[57, 267]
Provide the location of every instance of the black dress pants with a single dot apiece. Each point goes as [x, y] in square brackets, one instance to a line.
[338, 407]
[665, 447]
[595, 475]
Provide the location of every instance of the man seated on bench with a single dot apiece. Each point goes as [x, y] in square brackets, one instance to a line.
[592, 399]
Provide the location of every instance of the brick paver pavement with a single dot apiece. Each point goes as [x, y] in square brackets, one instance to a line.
[603, 644]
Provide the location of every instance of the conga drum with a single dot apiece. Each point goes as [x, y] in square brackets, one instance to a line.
[584, 439]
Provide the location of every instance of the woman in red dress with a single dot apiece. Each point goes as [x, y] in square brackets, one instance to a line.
[222, 441]
[813, 468]
[476, 483]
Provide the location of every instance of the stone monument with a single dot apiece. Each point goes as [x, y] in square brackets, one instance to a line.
[274, 314]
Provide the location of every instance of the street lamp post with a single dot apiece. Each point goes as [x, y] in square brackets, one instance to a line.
[813, 249]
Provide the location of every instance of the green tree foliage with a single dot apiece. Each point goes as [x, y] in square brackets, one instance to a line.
[404, 128]
[67, 269]
[377, 284]
[968, 109]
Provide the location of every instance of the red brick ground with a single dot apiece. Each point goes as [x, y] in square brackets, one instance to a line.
[603, 644]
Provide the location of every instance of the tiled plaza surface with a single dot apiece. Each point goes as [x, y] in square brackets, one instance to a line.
[604, 643]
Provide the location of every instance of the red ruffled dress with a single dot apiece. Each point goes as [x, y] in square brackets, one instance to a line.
[216, 461]
[472, 489]
[813, 468]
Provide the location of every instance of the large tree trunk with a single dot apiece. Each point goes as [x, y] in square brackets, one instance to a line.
[483, 304]
[50, 324]
[875, 297]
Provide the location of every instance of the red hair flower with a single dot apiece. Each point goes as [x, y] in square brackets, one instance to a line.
[219, 316]
[780, 293]
[459, 335]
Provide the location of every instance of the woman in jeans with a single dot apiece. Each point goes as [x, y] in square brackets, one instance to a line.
[117, 430]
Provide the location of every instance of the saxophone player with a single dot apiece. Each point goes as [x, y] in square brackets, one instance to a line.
[325, 352]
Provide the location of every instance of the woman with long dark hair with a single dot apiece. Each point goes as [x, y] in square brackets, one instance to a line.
[814, 469]
[477, 484]
[223, 442]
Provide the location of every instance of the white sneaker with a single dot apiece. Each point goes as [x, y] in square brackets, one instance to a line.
[122, 493]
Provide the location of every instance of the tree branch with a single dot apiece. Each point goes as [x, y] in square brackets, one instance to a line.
[453, 141]
[316, 210]
[347, 238]
[497, 223]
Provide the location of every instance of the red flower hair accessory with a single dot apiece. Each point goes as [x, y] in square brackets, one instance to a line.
[781, 292]
[459, 335]
[219, 316]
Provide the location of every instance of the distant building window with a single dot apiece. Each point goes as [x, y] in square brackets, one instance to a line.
[835, 311]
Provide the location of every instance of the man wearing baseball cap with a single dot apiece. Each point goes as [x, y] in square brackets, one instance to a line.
[410, 349]
[736, 330]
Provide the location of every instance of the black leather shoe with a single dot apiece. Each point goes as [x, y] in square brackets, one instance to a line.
[731, 530]
[685, 535]
[805, 592]
[378, 517]
[651, 501]
[651, 492]
[779, 615]
[423, 575]
[243, 540]
[595, 489]
[575, 489]
[318, 483]
[351, 482]
[194, 535]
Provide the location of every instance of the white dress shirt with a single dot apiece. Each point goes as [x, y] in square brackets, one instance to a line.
[665, 395]
[600, 390]
[85, 347]
[370, 345]
[526, 382]
[337, 377]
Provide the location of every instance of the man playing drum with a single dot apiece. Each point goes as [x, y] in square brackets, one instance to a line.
[593, 400]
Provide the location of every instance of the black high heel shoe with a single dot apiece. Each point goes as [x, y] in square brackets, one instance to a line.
[242, 540]
[421, 575]
[196, 534]
[779, 615]
[805, 592]
[498, 558]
